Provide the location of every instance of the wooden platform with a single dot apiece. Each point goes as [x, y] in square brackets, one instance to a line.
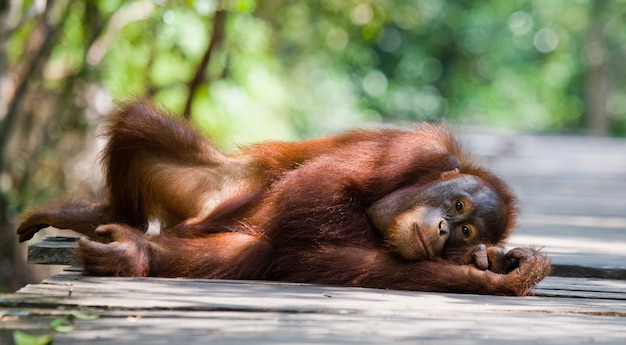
[176, 311]
[573, 192]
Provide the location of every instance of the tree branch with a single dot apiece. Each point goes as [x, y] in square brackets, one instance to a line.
[217, 37]
[49, 30]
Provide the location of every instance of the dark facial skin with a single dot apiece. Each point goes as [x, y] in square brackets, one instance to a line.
[440, 218]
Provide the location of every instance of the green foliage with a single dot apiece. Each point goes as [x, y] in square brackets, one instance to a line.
[307, 67]
[63, 324]
[22, 338]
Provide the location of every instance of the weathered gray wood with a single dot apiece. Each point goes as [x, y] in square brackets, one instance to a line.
[53, 250]
[166, 311]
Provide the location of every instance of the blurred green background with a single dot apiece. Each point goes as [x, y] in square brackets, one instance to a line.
[247, 70]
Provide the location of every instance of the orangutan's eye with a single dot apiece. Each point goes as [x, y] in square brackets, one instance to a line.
[465, 230]
[458, 205]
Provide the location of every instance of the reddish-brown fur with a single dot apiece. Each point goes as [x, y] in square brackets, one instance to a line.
[280, 211]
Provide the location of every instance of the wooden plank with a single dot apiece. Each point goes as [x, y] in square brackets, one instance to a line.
[604, 297]
[53, 250]
[304, 328]
[583, 287]
[573, 205]
[210, 295]
[584, 251]
[159, 310]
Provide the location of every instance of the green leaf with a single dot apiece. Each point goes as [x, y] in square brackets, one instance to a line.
[63, 324]
[84, 316]
[22, 338]
[245, 6]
